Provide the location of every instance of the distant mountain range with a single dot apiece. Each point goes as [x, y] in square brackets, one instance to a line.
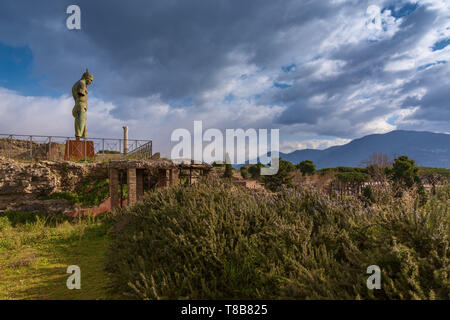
[426, 148]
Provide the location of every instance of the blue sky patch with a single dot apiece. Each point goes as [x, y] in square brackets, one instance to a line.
[404, 11]
[289, 68]
[441, 44]
[426, 66]
[281, 85]
[228, 98]
[393, 119]
[16, 64]
[17, 74]
[180, 103]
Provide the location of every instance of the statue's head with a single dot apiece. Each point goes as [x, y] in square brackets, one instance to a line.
[88, 77]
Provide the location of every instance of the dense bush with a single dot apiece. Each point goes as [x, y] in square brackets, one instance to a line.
[306, 167]
[228, 172]
[282, 178]
[22, 217]
[405, 174]
[428, 171]
[244, 172]
[217, 241]
[255, 170]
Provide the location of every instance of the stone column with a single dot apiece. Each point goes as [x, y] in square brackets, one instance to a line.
[114, 187]
[174, 178]
[131, 183]
[125, 140]
[139, 185]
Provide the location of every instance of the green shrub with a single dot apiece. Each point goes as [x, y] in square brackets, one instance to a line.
[228, 172]
[352, 177]
[217, 241]
[244, 172]
[255, 170]
[4, 222]
[66, 195]
[405, 175]
[306, 167]
[282, 178]
[368, 194]
[90, 193]
[93, 191]
[24, 217]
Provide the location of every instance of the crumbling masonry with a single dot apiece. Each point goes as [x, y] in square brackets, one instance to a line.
[140, 175]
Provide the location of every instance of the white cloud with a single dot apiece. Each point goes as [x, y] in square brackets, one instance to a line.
[49, 116]
[345, 108]
[355, 24]
[52, 116]
[312, 144]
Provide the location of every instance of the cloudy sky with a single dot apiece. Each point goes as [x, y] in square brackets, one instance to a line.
[323, 72]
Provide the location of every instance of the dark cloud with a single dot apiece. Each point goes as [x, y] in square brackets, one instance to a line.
[365, 62]
[434, 105]
[174, 51]
[171, 48]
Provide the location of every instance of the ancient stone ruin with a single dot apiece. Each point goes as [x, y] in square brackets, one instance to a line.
[23, 185]
[140, 176]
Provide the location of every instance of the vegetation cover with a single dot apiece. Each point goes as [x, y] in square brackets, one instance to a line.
[213, 240]
[36, 248]
[90, 193]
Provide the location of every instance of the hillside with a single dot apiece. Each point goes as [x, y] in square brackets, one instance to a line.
[426, 148]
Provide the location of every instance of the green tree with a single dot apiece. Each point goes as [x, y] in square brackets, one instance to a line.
[255, 170]
[306, 167]
[228, 173]
[283, 176]
[404, 171]
[244, 172]
[352, 177]
[289, 166]
[405, 174]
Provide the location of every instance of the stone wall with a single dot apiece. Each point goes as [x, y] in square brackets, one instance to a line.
[45, 177]
[22, 183]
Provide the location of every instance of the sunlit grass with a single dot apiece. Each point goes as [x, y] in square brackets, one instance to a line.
[34, 257]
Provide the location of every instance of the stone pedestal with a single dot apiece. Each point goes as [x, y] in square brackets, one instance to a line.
[79, 149]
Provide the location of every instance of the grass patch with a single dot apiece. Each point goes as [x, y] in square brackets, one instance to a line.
[35, 253]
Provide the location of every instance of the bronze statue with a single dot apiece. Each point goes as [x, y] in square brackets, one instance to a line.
[79, 93]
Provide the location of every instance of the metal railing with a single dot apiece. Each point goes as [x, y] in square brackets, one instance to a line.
[144, 151]
[39, 147]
